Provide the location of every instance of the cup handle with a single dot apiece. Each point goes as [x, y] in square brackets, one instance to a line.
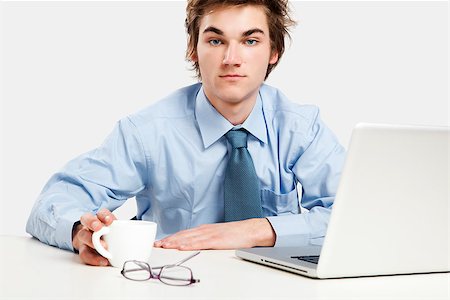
[96, 241]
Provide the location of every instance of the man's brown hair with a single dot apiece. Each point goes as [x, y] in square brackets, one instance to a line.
[278, 19]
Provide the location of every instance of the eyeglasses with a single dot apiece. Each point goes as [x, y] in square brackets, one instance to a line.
[173, 274]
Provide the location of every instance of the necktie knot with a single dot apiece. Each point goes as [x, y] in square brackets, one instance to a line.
[237, 138]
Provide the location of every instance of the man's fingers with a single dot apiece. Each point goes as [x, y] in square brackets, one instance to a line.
[85, 237]
[90, 257]
[91, 222]
[105, 216]
[199, 243]
[170, 240]
[95, 223]
[190, 239]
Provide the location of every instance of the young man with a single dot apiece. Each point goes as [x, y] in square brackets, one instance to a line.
[215, 164]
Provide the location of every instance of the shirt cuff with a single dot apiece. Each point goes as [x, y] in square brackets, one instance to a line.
[290, 230]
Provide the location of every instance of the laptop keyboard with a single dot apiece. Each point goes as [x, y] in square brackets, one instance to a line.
[314, 259]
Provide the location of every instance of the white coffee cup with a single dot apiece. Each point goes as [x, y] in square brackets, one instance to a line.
[126, 240]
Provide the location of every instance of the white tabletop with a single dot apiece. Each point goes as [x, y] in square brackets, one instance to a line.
[32, 270]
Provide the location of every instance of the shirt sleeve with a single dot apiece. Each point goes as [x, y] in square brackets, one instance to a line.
[104, 177]
[317, 169]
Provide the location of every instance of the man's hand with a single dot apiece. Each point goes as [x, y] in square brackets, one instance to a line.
[82, 236]
[242, 234]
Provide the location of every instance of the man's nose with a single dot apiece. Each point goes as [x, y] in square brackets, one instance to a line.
[232, 56]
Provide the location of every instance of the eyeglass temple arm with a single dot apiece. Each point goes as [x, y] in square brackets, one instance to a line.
[187, 258]
[180, 262]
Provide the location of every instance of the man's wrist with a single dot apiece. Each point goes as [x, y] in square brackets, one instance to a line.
[75, 228]
[265, 235]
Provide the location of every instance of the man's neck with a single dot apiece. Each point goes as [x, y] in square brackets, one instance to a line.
[235, 113]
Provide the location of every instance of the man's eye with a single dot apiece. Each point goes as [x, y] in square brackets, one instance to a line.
[215, 42]
[251, 42]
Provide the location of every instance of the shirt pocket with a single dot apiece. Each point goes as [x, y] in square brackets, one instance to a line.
[274, 204]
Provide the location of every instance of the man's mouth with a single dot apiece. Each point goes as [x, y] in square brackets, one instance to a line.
[231, 76]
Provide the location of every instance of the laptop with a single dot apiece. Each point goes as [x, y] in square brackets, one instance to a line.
[391, 211]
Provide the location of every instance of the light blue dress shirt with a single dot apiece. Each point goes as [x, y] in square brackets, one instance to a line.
[172, 157]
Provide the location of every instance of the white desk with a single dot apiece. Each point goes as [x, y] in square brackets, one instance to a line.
[32, 270]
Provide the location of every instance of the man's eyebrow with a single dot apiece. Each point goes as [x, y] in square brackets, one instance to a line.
[213, 29]
[245, 33]
[252, 31]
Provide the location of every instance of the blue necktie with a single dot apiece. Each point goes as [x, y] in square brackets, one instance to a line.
[241, 188]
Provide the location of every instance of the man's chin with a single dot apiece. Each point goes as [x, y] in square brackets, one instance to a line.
[236, 91]
[236, 100]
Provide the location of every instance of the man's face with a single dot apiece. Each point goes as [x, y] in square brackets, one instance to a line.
[233, 53]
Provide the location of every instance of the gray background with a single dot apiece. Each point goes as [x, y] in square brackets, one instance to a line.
[70, 70]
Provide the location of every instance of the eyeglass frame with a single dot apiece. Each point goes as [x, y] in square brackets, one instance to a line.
[145, 266]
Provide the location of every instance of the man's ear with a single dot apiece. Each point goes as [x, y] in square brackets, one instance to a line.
[273, 58]
[194, 57]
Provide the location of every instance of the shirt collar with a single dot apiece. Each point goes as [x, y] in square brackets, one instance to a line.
[213, 125]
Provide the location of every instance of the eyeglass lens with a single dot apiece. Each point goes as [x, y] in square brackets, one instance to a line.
[176, 275]
[136, 270]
